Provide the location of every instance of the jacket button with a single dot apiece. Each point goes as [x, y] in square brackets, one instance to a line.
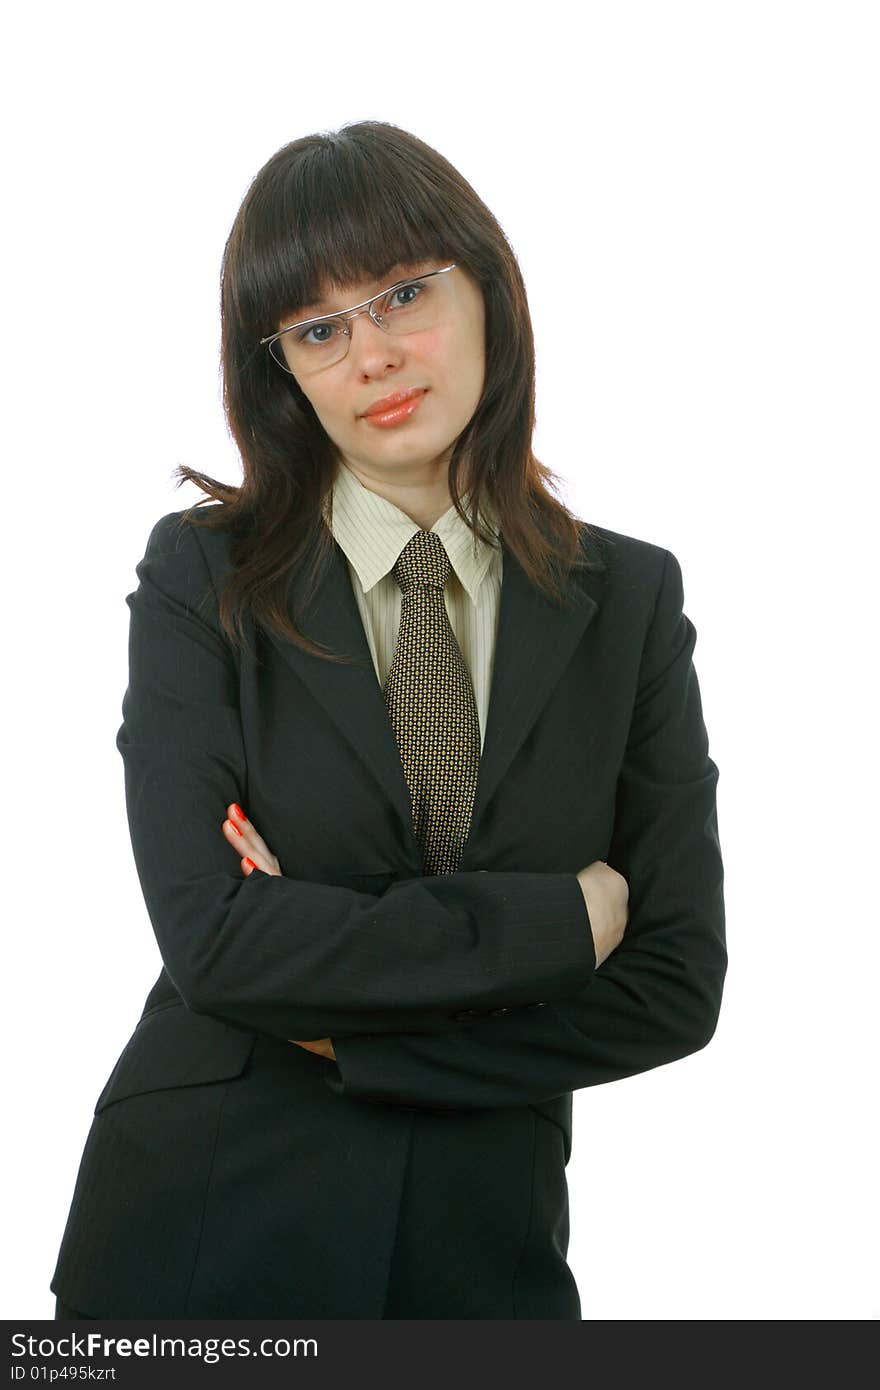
[502, 1010]
[467, 1013]
[535, 1006]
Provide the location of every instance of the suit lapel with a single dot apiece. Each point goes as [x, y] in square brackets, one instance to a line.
[535, 641]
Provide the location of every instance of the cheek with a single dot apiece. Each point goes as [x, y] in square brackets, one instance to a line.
[329, 411]
[430, 347]
[450, 359]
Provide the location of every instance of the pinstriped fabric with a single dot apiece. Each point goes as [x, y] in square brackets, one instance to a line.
[432, 708]
[371, 532]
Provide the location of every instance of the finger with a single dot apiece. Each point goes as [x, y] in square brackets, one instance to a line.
[248, 865]
[249, 830]
[322, 1047]
[248, 854]
[241, 840]
[247, 842]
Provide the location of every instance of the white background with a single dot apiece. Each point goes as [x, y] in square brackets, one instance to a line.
[691, 190]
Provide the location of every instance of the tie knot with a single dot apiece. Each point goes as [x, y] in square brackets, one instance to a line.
[423, 560]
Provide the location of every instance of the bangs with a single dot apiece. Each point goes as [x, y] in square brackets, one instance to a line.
[333, 219]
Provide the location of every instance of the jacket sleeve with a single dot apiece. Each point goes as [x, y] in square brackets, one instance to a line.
[657, 997]
[279, 955]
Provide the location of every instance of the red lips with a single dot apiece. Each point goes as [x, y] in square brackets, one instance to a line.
[396, 398]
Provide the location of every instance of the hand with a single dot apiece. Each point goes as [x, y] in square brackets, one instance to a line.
[254, 851]
[323, 1046]
[249, 844]
[606, 894]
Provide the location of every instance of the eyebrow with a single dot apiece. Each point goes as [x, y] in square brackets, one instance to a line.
[398, 272]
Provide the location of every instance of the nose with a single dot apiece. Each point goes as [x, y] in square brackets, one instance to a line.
[370, 347]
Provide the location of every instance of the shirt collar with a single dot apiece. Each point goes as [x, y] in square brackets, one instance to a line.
[372, 532]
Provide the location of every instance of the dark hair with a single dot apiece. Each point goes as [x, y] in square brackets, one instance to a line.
[332, 209]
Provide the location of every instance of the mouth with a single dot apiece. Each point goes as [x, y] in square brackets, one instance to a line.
[393, 409]
[381, 407]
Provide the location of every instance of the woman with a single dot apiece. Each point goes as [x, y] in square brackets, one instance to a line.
[419, 794]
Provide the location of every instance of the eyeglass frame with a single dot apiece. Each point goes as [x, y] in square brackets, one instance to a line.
[365, 306]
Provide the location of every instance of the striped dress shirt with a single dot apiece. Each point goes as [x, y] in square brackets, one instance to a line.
[372, 532]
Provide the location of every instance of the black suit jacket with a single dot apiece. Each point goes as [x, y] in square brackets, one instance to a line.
[203, 1187]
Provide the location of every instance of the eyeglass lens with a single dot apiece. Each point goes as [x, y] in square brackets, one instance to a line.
[411, 307]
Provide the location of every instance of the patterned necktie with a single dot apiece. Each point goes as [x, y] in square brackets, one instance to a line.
[431, 705]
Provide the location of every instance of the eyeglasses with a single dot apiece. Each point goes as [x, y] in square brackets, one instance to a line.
[410, 306]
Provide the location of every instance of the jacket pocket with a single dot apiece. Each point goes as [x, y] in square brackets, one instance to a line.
[172, 1046]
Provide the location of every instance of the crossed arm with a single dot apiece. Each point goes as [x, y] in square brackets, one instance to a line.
[657, 997]
[318, 962]
[606, 895]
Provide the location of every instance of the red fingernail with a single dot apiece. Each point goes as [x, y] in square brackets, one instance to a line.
[233, 826]
[250, 863]
[238, 811]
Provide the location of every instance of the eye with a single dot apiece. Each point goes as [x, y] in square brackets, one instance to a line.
[413, 287]
[327, 327]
